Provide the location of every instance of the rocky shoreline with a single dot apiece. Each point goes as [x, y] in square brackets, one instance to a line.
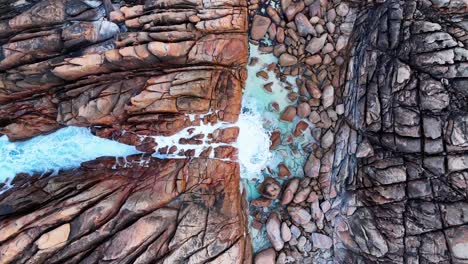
[141, 210]
[309, 38]
[342, 210]
[377, 88]
[134, 72]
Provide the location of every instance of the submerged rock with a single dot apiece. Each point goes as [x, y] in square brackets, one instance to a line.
[283, 170]
[270, 188]
[288, 114]
[300, 127]
[275, 139]
[261, 202]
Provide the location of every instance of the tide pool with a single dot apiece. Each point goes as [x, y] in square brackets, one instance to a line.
[258, 100]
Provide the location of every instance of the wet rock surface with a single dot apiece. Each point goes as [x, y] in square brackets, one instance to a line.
[404, 161]
[131, 71]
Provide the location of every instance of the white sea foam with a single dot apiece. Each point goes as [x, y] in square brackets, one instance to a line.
[64, 149]
[253, 142]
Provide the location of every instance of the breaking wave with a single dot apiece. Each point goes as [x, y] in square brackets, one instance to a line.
[64, 149]
[253, 142]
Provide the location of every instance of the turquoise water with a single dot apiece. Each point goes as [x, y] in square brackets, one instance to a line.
[64, 149]
[257, 101]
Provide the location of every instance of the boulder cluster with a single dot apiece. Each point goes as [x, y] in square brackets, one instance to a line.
[309, 38]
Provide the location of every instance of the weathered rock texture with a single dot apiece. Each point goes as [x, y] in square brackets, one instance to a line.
[385, 85]
[142, 210]
[138, 67]
[383, 82]
[130, 70]
[402, 149]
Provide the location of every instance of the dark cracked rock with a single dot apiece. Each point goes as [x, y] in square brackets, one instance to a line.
[411, 193]
[387, 179]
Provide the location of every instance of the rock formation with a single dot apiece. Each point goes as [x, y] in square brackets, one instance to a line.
[134, 67]
[130, 70]
[382, 86]
[142, 210]
[385, 83]
[406, 97]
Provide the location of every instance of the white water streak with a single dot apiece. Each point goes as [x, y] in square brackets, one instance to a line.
[64, 149]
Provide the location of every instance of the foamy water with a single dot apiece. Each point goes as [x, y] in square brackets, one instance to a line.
[64, 149]
[68, 147]
[253, 142]
[259, 100]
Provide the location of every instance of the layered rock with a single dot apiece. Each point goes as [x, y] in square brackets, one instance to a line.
[132, 71]
[138, 210]
[135, 68]
[385, 87]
